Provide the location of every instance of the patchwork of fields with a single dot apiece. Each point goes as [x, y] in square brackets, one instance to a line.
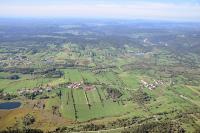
[76, 79]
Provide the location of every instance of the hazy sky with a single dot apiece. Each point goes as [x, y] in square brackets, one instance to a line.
[188, 10]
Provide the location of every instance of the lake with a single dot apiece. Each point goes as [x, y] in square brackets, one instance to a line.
[10, 105]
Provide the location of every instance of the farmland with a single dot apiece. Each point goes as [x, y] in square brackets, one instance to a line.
[69, 80]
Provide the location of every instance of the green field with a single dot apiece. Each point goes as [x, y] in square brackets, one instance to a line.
[100, 77]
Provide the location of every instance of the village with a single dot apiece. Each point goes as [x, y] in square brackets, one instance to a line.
[10, 59]
[152, 86]
[42, 89]
[78, 85]
[35, 91]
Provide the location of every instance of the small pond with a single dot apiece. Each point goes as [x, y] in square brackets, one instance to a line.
[10, 105]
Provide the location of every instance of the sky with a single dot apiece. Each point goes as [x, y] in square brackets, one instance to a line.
[177, 10]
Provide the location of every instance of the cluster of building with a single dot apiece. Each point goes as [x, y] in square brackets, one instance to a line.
[88, 87]
[152, 86]
[35, 91]
[78, 85]
[40, 90]
[75, 85]
[99, 71]
[14, 60]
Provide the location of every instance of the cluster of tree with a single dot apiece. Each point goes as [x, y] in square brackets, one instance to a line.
[6, 96]
[39, 105]
[10, 130]
[28, 119]
[12, 77]
[123, 122]
[55, 74]
[51, 73]
[92, 127]
[34, 50]
[56, 111]
[87, 99]
[31, 96]
[44, 97]
[140, 97]
[63, 130]
[156, 127]
[72, 64]
[96, 127]
[19, 70]
[113, 93]
[74, 106]
[101, 99]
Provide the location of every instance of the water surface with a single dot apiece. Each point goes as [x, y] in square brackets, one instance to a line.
[10, 105]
